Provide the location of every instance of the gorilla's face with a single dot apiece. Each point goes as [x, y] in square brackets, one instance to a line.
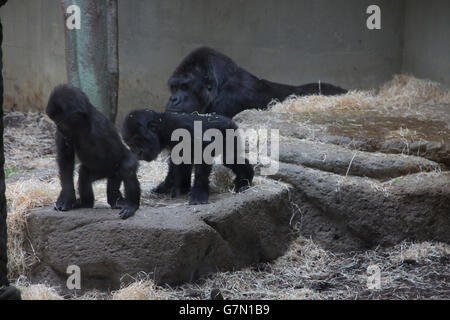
[139, 131]
[67, 108]
[191, 92]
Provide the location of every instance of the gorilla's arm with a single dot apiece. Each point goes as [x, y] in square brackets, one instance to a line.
[65, 157]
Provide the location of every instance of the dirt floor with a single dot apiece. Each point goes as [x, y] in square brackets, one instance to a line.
[307, 271]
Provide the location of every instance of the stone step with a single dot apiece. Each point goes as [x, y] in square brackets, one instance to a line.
[171, 244]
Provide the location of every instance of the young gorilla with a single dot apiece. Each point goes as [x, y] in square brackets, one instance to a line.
[148, 132]
[84, 131]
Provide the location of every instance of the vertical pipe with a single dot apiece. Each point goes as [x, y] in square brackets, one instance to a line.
[92, 55]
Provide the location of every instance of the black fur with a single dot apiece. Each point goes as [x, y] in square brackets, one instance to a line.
[10, 293]
[148, 132]
[207, 81]
[84, 131]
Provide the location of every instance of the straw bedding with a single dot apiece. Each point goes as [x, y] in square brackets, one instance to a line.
[306, 271]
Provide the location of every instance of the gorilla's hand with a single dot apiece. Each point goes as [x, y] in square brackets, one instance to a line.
[127, 209]
[198, 196]
[240, 185]
[65, 202]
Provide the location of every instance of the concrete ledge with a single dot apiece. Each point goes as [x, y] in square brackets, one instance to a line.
[356, 181]
[173, 244]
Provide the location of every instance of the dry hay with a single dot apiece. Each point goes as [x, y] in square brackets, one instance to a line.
[29, 144]
[22, 196]
[140, 288]
[399, 93]
[306, 271]
[36, 291]
[420, 252]
[27, 137]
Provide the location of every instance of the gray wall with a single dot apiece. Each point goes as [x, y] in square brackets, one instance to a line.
[288, 41]
[291, 41]
[427, 40]
[33, 52]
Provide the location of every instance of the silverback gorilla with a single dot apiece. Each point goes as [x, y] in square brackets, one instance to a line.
[148, 132]
[207, 81]
[84, 131]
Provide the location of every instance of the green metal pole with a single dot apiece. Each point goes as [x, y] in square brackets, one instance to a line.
[92, 53]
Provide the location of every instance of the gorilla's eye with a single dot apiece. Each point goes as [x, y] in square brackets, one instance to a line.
[184, 87]
[151, 127]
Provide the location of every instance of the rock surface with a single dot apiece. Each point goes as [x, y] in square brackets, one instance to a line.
[359, 180]
[172, 244]
[340, 160]
[413, 207]
[419, 130]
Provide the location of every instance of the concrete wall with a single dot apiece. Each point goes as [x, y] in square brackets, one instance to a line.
[427, 40]
[288, 41]
[291, 41]
[33, 52]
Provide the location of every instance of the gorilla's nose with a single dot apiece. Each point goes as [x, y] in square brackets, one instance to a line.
[174, 100]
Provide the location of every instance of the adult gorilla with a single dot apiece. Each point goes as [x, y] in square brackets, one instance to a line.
[207, 81]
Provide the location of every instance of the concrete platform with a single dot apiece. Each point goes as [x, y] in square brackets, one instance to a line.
[173, 244]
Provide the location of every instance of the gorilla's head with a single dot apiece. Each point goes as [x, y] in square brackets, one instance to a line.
[68, 107]
[140, 132]
[197, 81]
